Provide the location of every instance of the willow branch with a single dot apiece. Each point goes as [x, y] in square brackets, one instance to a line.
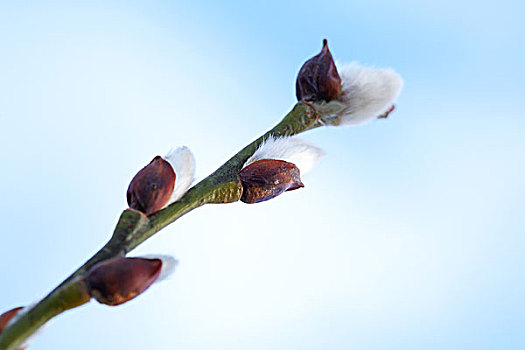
[133, 228]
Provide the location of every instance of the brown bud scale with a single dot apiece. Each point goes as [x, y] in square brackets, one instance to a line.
[318, 78]
[152, 187]
[118, 280]
[387, 113]
[267, 178]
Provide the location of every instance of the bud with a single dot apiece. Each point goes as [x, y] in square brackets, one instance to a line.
[276, 167]
[162, 181]
[152, 187]
[268, 178]
[318, 78]
[6, 318]
[118, 280]
[169, 264]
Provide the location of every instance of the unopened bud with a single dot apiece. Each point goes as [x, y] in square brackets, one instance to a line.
[152, 187]
[118, 280]
[6, 317]
[318, 78]
[268, 178]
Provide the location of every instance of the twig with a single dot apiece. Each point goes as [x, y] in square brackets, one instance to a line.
[133, 227]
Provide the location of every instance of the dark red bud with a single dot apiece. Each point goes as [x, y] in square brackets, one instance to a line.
[152, 187]
[268, 178]
[387, 113]
[318, 78]
[115, 281]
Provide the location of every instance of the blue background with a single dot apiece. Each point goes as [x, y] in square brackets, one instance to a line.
[408, 235]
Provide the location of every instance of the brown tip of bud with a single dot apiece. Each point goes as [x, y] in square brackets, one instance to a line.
[7, 316]
[387, 113]
[268, 178]
[115, 281]
[318, 78]
[152, 187]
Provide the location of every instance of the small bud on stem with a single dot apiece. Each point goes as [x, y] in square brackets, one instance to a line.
[118, 280]
[318, 78]
[152, 187]
[6, 317]
[268, 178]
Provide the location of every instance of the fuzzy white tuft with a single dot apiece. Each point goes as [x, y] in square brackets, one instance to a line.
[367, 92]
[183, 163]
[169, 264]
[301, 153]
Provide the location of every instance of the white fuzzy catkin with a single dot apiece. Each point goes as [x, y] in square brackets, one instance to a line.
[169, 264]
[183, 164]
[367, 92]
[290, 149]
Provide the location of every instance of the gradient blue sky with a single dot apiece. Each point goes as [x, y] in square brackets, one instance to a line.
[408, 235]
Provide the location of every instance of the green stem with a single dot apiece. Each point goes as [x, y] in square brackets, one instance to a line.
[69, 296]
[133, 228]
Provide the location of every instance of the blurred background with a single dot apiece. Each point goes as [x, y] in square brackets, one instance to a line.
[409, 234]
